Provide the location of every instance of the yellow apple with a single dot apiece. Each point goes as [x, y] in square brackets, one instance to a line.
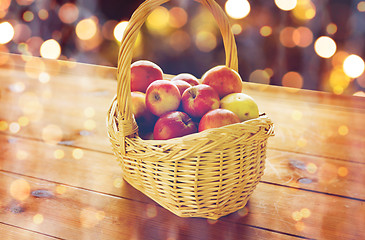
[243, 105]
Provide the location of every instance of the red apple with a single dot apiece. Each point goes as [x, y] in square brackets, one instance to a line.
[173, 124]
[187, 77]
[144, 118]
[217, 118]
[198, 100]
[143, 73]
[181, 85]
[223, 79]
[162, 96]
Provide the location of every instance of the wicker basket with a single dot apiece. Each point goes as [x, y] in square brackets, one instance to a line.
[208, 174]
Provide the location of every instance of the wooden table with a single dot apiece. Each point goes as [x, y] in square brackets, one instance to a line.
[60, 180]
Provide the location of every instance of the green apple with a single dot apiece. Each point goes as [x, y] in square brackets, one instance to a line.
[243, 105]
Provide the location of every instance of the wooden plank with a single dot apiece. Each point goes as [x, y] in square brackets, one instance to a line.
[277, 199]
[28, 157]
[72, 213]
[11, 232]
[301, 126]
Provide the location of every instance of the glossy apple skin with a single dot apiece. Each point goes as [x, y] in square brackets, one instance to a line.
[162, 96]
[143, 73]
[217, 118]
[243, 105]
[187, 77]
[200, 99]
[181, 85]
[144, 118]
[173, 124]
[223, 79]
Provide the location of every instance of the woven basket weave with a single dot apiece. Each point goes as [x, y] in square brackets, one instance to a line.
[208, 174]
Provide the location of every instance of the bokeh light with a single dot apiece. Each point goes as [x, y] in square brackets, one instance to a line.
[286, 5]
[361, 6]
[338, 80]
[302, 37]
[286, 37]
[325, 47]
[265, 31]
[68, 13]
[119, 30]
[158, 20]
[205, 41]
[178, 17]
[86, 29]
[331, 28]
[353, 66]
[237, 9]
[305, 10]
[6, 32]
[28, 16]
[292, 79]
[20, 189]
[260, 76]
[50, 49]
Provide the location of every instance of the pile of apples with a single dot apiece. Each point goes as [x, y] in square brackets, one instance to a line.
[184, 105]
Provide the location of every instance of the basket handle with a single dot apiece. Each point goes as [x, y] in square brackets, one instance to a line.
[126, 53]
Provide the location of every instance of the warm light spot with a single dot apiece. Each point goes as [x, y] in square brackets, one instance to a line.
[259, 76]
[269, 71]
[297, 115]
[237, 9]
[299, 226]
[305, 212]
[34, 67]
[311, 168]
[38, 218]
[86, 29]
[17, 87]
[28, 16]
[236, 29]
[14, 127]
[353, 66]
[118, 182]
[43, 14]
[20, 189]
[3, 125]
[6, 32]
[178, 17]
[119, 30]
[23, 121]
[297, 216]
[338, 80]
[325, 47]
[151, 211]
[52, 134]
[90, 124]
[59, 154]
[305, 10]
[50, 49]
[286, 5]
[361, 6]
[158, 20]
[24, 2]
[205, 41]
[343, 130]
[4, 4]
[89, 217]
[342, 171]
[179, 40]
[301, 142]
[77, 153]
[108, 29]
[357, 94]
[68, 13]
[265, 31]
[331, 28]
[292, 79]
[89, 112]
[22, 155]
[338, 59]
[44, 77]
[302, 37]
[61, 189]
[286, 37]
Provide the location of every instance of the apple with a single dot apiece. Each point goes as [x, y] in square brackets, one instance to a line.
[187, 77]
[223, 79]
[143, 73]
[144, 118]
[241, 104]
[198, 100]
[162, 96]
[173, 124]
[217, 118]
[181, 85]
